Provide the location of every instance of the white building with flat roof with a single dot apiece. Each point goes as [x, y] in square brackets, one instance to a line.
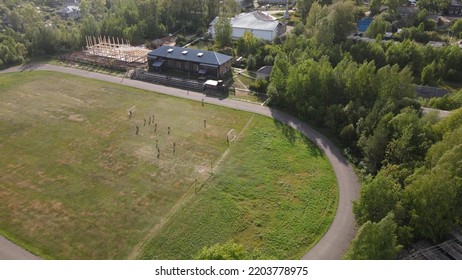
[260, 24]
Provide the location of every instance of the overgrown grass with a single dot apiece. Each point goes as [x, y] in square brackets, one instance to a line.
[202, 45]
[244, 77]
[243, 82]
[77, 183]
[274, 193]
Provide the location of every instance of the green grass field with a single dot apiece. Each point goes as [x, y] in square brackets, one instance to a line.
[77, 183]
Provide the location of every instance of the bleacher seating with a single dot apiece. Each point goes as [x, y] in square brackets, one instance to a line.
[172, 81]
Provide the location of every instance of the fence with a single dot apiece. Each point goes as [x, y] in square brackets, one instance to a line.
[173, 81]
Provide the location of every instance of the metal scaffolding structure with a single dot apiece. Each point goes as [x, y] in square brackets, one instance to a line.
[115, 48]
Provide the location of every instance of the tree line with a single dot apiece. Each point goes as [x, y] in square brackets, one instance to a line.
[362, 93]
[35, 28]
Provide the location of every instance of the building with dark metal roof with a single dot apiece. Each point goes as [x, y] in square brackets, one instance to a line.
[264, 72]
[454, 8]
[207, 63]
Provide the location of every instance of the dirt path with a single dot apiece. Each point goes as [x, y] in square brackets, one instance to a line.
[440, 113]
[337, 239]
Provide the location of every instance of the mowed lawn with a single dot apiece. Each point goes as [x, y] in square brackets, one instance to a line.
[76, 182]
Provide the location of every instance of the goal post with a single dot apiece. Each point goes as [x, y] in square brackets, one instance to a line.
[231, 136]
[131, 111]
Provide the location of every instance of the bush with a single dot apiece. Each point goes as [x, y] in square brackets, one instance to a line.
[378, 27]
[180, 40]
[201, 31]
[299, 29]
[268, 60]
[450, 101]
[429, 75]
[228, 251]
[251, 62]
[259, 86]
[454, 75]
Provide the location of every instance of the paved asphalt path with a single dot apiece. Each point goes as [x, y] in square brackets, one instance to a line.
[11, 251]
[337, 239]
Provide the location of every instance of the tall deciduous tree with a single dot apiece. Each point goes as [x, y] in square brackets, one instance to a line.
[85, 7]
[378, 198]
[313, 15]
[430, 75]
[410, 138]
[325, 32]
[229, 8]
[434, 196]
[332, 23]
[378, 27]
[247, 44]
[432, 199]
[223, 32]
[456, 28]
[375, 5]
[11, 52]
[433, 5]
[375, 241]
[99, 6]
[343, 19]
[303, 8]
[89, 27]
[374, 145]
[393, 5]
[251, 62]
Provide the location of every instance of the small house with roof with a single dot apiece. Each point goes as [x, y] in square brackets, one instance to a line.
[408, 11]
[264, 72]
[206, 63]
[274, 2]
[260, 24]
[454, 8]
[70, 12]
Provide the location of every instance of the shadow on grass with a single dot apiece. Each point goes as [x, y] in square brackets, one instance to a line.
[313, 150]
[291, 135]
[314, 141]
[286, 130]
[30, 66]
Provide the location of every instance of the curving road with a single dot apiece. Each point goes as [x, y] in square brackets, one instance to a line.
[11, 251]
[337, 239]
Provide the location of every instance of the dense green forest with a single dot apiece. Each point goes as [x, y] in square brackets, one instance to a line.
[363, 94]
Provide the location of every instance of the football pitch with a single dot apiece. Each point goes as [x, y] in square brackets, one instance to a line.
[93, 170]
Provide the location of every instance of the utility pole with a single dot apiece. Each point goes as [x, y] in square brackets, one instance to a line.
[286, 14]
